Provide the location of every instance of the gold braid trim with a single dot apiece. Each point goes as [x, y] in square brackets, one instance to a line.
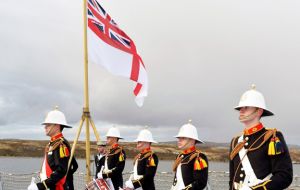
[236, 149]
[136, 157]
[177, 162]
[116, 152]
[138, 180]
[146, 155]
[55, 145]
[263, 135]
[263, 185]
[267, 135]
[232, 144]
[179, 159]
[44, 183]
[188, 187]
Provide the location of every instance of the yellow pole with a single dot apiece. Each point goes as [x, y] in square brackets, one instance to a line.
[86, 112]
[86, 79]
[87, 151]
[75, 141]
[95, 130]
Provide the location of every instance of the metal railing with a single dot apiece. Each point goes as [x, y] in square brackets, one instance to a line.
[218, 180]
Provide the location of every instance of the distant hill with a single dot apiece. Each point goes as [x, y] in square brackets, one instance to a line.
[165, 150]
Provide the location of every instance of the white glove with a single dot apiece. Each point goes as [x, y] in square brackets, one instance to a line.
[245, 187]
[32, 185]
[99, 175]
[129, 184]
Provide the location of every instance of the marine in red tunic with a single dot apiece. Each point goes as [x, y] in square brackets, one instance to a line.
[57, 154]
[55, 165]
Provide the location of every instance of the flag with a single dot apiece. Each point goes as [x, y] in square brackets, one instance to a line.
[110, 47]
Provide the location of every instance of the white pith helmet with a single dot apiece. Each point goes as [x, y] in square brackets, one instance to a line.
[113, 132]
[189, 131]
[253, 98]
[145, 136]
[101, 143]
[56, 117]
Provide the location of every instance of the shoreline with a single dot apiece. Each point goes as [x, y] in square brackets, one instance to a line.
[165, 151]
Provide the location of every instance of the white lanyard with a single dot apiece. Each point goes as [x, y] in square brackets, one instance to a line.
[179, 183]
[250, 177]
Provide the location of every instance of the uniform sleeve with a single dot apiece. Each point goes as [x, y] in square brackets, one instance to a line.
[200, 175]
[282, 169]
[231, 167]
[150, 171]
[74, 166]
[60, 165]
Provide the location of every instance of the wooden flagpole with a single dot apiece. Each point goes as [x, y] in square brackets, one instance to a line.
[86, 117]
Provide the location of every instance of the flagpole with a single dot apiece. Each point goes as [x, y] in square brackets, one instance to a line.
[86, 111]
[86, 84]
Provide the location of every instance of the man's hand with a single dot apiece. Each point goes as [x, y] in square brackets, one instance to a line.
[99, 175]
[32, 185]
[129, 185]
[245, 187]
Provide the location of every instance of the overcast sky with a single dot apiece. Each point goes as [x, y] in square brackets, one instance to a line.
[200, 57]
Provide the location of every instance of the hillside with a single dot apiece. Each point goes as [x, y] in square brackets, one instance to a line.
[165, 151]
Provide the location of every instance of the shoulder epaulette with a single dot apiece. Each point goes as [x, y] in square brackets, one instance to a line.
[151, 161]
[199, 163]
[275, 145]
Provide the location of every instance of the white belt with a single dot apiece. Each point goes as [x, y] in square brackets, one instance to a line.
[250, 177]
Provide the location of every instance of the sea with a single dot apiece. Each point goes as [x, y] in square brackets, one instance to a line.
[16, 173]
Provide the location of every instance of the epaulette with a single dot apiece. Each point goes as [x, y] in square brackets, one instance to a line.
[275, 145]
[151, 161]
[63, 149]
[199, 163]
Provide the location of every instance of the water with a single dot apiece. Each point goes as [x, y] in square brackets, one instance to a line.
[19, 165]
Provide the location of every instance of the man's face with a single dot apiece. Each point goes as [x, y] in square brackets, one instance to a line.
[142, 145]
[51, 129]
[185, 143]
[249, 114]
[101, 149]
[111, 140]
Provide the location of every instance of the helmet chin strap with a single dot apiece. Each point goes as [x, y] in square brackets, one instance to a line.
[248, 117]
[51, 129]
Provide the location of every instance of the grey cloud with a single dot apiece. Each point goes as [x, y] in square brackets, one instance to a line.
[200, 58]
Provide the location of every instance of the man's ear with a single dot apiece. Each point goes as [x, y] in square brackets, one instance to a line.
[260, 111]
